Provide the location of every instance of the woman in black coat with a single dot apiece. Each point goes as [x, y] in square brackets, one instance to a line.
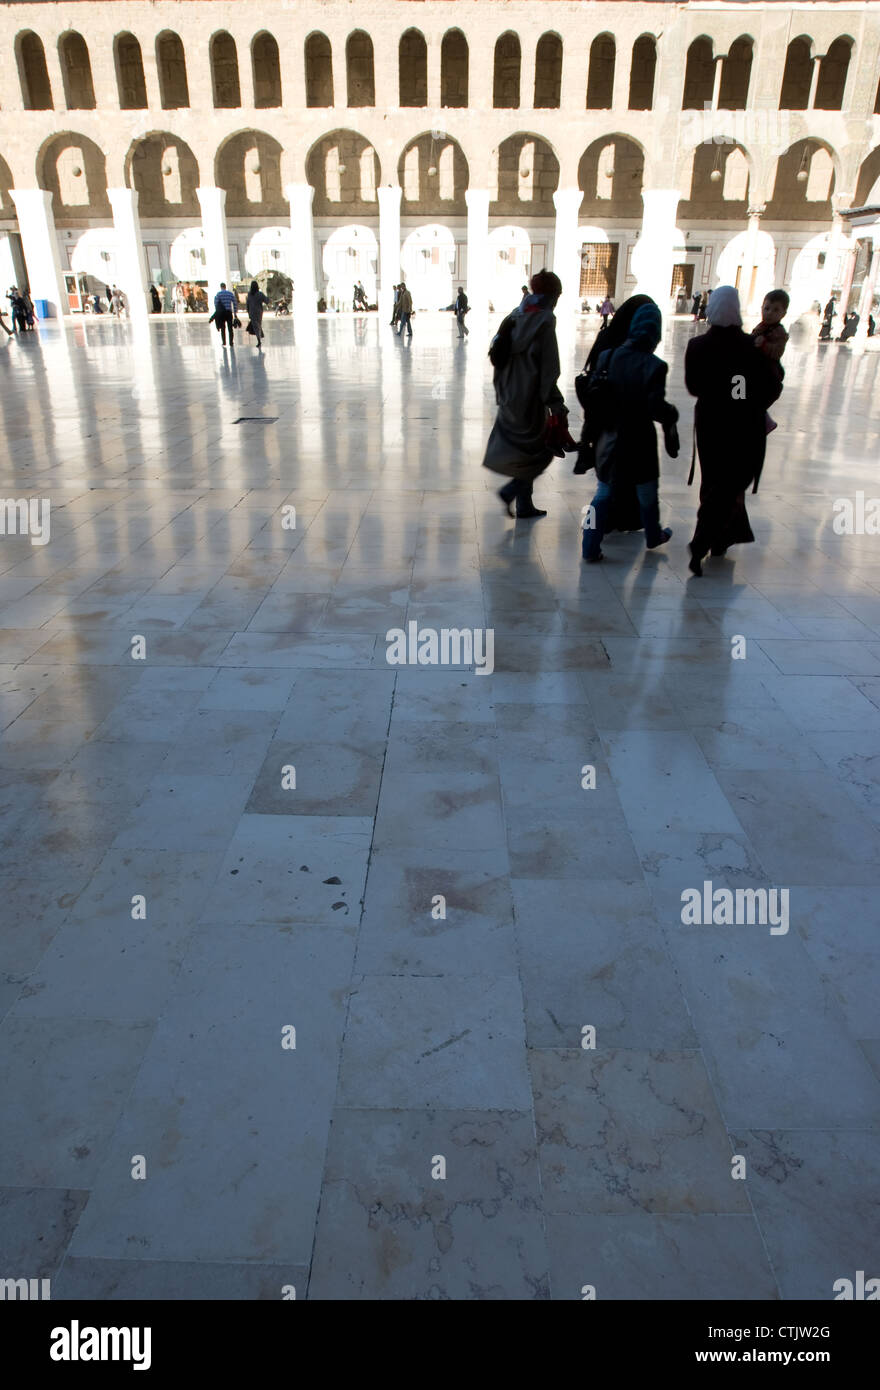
[734, 384]
[626, 446]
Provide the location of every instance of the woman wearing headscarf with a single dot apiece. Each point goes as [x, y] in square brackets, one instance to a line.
[626, 445]
[256, 302]
[734, 384]
[526, 359]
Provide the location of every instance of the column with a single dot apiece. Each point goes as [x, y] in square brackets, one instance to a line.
[389, 248]
[7, 266]
[213, 204]
[39, 239]
[566, 251]
[716, 89]
[869, 289]
[305, 301]
[750, 261]
[814, 80]
[528, 56]
[434, 93]
[849, 267]
[653, 256]
[129, 250]
[477, 200]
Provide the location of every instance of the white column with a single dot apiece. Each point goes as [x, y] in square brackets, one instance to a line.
[39, 239]
[653, 256]
[750, 260]
[566, 252]
[213, 204]
[528, 64]
[305, 300]
[477, 200]
[869, 289]
[814, 82]
[716, 89]
[7, 265]
[129, 249]
[389, 248]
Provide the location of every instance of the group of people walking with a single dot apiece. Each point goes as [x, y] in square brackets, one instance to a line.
[22, 306]
[734, 376]
[225, 314]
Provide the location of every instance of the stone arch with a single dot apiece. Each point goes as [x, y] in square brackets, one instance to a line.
[548, 72]
[610, 176]
[130, 80]
[736, 73]
[642, 71]
[344, 170]
[797, 75]
[433, 173]
[266, 68]
[165, 173]
[699, 75]
[248, 166]
[73, 169]
[427, 259]
[7, 183]
[833, 69]
[506, 75]
[33, 74]
[318, 57]
[868, 184]
[794, 191]
[225, 81]
[454, 69]
[76, 72]
[412, 67]
[600, 75]
[359, 69]
[526, 177]
[719, 183]
[171, 66]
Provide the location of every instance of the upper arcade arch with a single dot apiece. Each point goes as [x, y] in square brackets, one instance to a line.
[548, 72]
[171, 67]
[76, 72]
[130, 81]
[33, 74]
[266, 68]
[318, 59]
[359, 69]
[454, 58]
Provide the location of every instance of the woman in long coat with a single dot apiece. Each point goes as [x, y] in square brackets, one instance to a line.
[626, 447]
[256, 302]
[734, 384]
[527, 393]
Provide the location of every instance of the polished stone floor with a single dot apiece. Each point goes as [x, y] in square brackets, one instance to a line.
[249, 822]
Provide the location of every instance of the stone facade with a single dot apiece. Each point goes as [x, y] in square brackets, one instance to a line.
[627, 145]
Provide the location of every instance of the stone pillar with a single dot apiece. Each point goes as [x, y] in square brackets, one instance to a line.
[849, 267]
[566, 251]
[129, 250]
[305, 299]
[716, 89]
[653, 256]
[622, 62]
[389, 249]
[750, 260]
[478, 250]
[866, 300]
[528, 55]
[213, 204]
[814, 81]
[434, 92]
[39, 240]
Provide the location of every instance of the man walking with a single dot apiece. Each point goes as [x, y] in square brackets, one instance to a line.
[224, 307]
[460, 308]
[405, 308]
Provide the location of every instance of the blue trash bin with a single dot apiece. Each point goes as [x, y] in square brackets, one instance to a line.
[41, 308]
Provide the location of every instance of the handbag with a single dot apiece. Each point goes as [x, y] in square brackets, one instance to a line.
[586, 458]
[557, 437]
[236, 321]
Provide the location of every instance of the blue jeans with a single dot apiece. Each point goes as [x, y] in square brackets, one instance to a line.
[649, 507]
[404, 323]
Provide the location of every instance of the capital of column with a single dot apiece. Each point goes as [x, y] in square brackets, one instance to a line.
[27, 199]
[299, 194]
[211, 199]
[389, 196]
[477, 199]
[756, 212]
[567, 201]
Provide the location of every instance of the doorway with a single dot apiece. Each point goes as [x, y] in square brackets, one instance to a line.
[599, 269]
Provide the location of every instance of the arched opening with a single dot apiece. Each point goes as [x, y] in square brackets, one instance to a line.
[868, 184]
[433, 174]
[699, 75]
[610, 176]
[804, 183]
[412, 59]
[510, 265]
[736, 72]
[797, 76]
[548, 72]
[427, 259]
[350, 254]
[73, 169]
[360, 75]
[171, 65]
[524, 177]
[76, 70]
[641, 74]
[454, 69]
[267, 72]
[508, 61]
[269, 259]
[719, 186]
[600, 79]
[164, 171]
[130, 80]
[36, 90]
[833, 69]
[248, 166]
[319, 71]
[224, 72]
[343, 168]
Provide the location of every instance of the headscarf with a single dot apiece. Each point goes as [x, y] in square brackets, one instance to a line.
[617, 331]
[723, 310]
[646, 328]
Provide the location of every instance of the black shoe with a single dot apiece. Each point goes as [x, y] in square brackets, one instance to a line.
[665, 535]
[508, 496]
[695, 566]
[528, 512]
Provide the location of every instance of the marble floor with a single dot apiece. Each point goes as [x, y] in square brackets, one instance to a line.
[371, 980]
